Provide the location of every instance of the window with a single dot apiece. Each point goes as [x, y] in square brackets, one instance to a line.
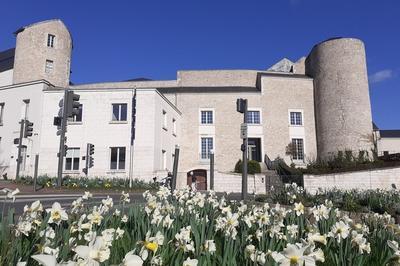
[50, 40]
[206, 117]
[78, 117]
[164, 160]
[174, 126]
[119, 111]
[72, 159]
[117, 161]
[298, 149]
[206, 147]
[165, 121]
[296, 119]
[1, 113]
[253, 117]
[49, 66]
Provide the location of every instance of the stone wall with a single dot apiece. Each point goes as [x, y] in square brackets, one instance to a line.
[370, 179]
[232, 182]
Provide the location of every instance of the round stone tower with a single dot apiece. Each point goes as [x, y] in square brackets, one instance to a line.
[43, 51]
[342, 103]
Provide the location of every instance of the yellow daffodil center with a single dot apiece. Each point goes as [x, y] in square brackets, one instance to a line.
[294, 260]
[56, 215]
[151, 246]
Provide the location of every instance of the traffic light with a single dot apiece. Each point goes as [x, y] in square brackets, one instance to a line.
[28, 132]
[241, 105]
[72, 104]
[90, 152]
[65, 150]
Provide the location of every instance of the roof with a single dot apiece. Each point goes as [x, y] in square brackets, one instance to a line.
[390, 133]
[139, 79]
[284, 65]
[7, 59]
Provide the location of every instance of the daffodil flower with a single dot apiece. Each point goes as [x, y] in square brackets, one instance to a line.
[57, 214]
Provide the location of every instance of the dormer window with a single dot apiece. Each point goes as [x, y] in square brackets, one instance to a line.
[50, 40]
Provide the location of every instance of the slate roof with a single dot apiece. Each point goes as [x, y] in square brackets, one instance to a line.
[7, 59]
[390, 133]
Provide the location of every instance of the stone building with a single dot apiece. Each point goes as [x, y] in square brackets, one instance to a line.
[312, 108]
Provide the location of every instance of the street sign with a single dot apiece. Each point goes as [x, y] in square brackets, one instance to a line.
[243, 130]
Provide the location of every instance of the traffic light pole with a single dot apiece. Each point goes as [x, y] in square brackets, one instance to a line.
[62, 139]
[244, 165]
[21, 135]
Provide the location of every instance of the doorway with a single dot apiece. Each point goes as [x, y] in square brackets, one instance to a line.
[197, 178]
[254, 149]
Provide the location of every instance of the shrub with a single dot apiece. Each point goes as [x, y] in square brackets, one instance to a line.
[253, 167]
[88, 183]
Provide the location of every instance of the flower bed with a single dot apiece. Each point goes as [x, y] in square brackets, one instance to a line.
[89, 183]
[372, 200]
[189, 228]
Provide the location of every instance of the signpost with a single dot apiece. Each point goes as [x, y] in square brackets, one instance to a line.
[241, 107]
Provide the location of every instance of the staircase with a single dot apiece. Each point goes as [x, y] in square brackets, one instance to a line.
[272, 179]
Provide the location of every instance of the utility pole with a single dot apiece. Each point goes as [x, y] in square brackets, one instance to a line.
[175, 170]
[61, 150]
[70, 108]
[21, 135]
[212, 170]
[241, 107]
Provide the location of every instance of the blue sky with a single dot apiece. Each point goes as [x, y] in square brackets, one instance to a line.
[119, 40]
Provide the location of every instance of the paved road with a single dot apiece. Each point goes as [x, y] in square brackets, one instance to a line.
[64, 199]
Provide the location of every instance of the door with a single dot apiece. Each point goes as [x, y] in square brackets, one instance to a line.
[197, 179]
[254, 149]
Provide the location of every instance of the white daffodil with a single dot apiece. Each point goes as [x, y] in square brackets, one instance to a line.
[57, 214]
[50, 260]
[10, 194]
[340, 230]
[152, 244]
[23, 227]
[119, 233]
[125, 197]
[107, 203]
[124, 219]
[190, 262]
[316, 237]
[95, 217]
[35, 207]
[292, 230]
[95, 252]
[87, 195]
[117, 212]
[295, 255]
[167, 221]
[361, 242]
[299, 208]
[395, 259]
[132, 260]
[209, 246]
[320, 212]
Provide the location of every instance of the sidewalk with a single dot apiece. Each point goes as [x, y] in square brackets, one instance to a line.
[28, 189]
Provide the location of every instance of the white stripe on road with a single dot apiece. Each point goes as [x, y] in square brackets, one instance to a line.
[54, 198]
